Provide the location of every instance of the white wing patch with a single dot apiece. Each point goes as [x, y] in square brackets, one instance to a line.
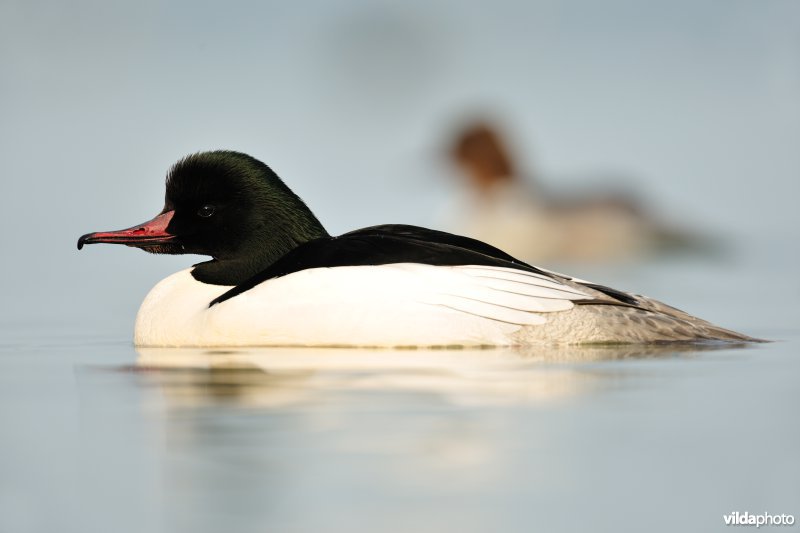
[534, 284]
[499, 294]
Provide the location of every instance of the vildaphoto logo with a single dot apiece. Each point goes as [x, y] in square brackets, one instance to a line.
[765, 519]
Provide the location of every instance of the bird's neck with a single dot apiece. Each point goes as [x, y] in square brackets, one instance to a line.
[259, 251]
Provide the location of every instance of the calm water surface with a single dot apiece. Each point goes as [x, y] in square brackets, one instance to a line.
[97, 436]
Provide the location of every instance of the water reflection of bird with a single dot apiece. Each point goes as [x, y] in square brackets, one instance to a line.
[528, 222]
[277, 377]
[278, 278]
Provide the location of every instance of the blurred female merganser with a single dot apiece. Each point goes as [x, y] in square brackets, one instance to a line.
[518, 216]
[276, 277]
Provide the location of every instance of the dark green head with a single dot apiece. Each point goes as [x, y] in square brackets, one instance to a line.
[229, 206]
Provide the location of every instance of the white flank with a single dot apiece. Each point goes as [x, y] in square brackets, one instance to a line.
[404, 304]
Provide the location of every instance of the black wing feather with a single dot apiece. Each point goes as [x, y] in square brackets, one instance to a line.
[399, 243]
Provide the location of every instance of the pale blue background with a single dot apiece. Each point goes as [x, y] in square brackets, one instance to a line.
[695, 105]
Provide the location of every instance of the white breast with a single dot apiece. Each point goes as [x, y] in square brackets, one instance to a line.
[404, 304]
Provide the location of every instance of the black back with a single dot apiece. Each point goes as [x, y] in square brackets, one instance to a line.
[382, 245]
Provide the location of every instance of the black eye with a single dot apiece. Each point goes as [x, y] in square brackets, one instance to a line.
[206, 211]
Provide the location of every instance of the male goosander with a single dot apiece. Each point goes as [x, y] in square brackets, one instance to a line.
[276, 277]
[518, 216]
